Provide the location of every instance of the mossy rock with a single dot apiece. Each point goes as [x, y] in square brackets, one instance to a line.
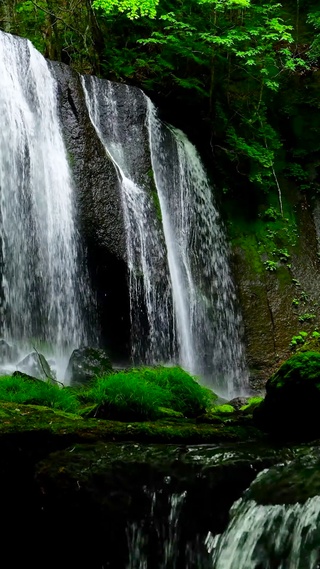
[165, 412]
[291, 483]
[85, 364]
[253, 403]
[222, 409]
[291, 407]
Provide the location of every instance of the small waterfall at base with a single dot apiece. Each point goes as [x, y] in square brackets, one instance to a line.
[157, 541]
[114, 112]
[269, 537]
[41, 287]
[207, 316]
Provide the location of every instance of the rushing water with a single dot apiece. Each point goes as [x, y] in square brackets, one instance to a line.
[114, 111]
[41, 289]
[181, 287]
[275, 537]
[272, 536]
[183, 303]
[154, 540]
[208, 320]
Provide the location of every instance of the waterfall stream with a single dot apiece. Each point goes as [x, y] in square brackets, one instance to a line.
[272, 536]
[41, 288]
[180, 279]
[208, 319]
[114, 112]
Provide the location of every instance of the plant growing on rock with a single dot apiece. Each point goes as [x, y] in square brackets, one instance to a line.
[140, 393]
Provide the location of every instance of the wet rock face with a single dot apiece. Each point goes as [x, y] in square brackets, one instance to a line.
[98, 206]
[87, 363]
[291, 483]
[141, 500]
[266, 298]
[95, 178]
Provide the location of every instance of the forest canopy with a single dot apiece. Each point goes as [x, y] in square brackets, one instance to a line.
[230, 72]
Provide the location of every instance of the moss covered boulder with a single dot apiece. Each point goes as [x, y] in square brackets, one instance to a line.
[291, 408]
[87, 363]
[291, 483]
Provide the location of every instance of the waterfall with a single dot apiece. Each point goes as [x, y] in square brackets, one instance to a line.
[269, 536]
[181, 289]
[154, 542]
[114, 111]
[208, 319]
[41, 288]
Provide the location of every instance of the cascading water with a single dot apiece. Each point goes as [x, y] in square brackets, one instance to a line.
[154, 542]
[180, 280]
[273, 537]
[115, 116]
[41, 288]
[208, 320]
[276, 524]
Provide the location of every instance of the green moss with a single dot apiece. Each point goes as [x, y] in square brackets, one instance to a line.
[164, 412]
[252, 404]
[267, 238]
[302, 367]
[155, 197]
[223, 409]
[36, 419]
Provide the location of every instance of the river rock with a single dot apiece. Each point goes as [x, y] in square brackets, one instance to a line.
[87, 363]
[238, 402]
[36, 365]
[290, 483]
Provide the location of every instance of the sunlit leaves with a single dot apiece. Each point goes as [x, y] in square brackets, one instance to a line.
[132, 8]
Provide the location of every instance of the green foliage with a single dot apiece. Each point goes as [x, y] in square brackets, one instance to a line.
[20, 390]
[298, 339]
[306, 317]
[139, 393]
[234, 64]
[132, 8]
[270, 265]
[271, 214]
[126, 398]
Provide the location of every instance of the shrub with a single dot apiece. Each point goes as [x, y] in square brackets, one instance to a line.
[28, 391]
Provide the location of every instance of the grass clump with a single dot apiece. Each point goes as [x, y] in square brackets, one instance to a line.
[35, 392]
[118, 396]
[140, 393]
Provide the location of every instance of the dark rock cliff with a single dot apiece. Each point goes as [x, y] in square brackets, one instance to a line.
[277, 305]
[98, 205]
